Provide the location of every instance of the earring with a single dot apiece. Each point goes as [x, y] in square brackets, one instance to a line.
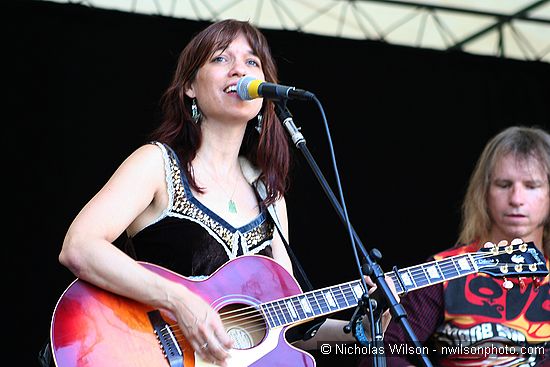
[258, 126]
[195, 113]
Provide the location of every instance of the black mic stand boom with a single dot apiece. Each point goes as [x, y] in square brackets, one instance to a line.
[370, 268]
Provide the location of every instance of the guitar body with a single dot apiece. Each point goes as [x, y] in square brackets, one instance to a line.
[95, 328]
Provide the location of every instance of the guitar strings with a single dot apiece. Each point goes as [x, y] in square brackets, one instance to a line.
[444, 265]
[253, 318]
[449, 264]
[257, 316]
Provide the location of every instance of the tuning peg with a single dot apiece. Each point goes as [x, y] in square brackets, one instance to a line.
[518, 268]
[502, 243]
[533, 267]
[516, 241]
[504, 269]
[523, 247]
[509, 249]
[507, 284]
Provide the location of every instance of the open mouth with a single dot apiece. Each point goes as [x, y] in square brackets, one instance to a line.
[231, 89]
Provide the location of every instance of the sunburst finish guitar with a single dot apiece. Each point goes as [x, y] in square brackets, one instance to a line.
[257, 300]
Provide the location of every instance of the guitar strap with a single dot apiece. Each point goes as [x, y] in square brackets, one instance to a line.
[260, 188]
[312, 326]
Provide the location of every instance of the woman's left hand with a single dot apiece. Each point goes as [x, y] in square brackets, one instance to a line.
[386, 316]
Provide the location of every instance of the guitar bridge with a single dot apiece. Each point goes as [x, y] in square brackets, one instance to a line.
[167, 339]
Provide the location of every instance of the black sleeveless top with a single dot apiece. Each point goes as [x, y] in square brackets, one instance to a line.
[189, 238]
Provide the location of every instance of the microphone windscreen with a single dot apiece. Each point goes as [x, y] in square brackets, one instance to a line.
[247, 88]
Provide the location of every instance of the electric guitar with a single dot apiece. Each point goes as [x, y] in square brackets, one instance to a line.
[257, 300]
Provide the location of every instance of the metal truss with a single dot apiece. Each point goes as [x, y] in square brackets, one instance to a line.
[518, 29]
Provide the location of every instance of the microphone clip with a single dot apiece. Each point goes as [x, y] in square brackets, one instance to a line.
[285, 117]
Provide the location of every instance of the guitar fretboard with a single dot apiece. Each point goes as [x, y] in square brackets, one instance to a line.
[309, 305]
[433, 272]
[312, 304]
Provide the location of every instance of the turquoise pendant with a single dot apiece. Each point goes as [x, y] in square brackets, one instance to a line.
[232, 207]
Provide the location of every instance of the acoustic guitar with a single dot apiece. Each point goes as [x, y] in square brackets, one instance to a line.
[257, 300]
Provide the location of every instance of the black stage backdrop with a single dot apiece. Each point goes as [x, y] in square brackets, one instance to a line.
[407, 126]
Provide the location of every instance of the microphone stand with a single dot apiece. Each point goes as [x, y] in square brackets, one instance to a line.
[377, 304]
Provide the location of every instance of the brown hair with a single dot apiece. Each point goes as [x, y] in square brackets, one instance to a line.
[268, 151]
[523, 143]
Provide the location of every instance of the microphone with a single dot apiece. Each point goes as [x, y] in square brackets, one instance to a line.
[249, 88]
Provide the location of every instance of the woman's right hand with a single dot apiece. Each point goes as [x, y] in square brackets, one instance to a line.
[203, 329]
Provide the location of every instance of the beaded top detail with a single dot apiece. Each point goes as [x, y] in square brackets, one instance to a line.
[248, 239]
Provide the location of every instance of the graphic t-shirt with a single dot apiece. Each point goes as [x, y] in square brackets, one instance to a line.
[473, 320]
[486, 323]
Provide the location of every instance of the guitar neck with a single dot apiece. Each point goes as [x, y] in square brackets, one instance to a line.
[433, 272]
[309, 305]
[329, 300]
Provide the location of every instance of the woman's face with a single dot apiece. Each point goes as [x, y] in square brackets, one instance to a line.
[215, 84]
[518, 200]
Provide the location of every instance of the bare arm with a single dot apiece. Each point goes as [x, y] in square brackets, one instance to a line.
[134, 195]
[87, 248]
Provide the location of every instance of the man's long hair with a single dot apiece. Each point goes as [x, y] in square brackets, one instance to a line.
[523, 143]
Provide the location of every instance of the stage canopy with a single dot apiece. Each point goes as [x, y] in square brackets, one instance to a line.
[517, 29]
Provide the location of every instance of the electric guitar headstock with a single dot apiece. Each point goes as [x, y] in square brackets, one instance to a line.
[517, 259]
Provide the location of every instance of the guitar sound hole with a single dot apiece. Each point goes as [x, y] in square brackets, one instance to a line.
[244, 324]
